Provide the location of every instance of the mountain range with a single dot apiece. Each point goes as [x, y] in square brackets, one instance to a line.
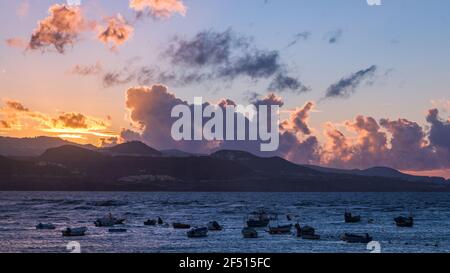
[52, 164]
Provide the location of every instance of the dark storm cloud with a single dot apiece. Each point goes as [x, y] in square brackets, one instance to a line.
[347, 86]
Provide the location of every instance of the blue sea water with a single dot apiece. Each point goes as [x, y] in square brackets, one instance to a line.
[21, 211]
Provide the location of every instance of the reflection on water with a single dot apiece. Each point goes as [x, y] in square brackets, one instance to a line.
[20, 212]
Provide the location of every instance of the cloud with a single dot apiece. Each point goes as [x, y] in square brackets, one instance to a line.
[16, 43]
[348, 85]
[440, 130]
[283, 82]
[302, 36]
[298, 121]
[211, 57]
[116, 32]
[87, 70]
[60, 29]
[159, 8]
[14, 116]
[270, 99]
[334, 37]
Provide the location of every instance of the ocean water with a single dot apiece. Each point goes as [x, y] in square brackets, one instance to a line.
[21, 211]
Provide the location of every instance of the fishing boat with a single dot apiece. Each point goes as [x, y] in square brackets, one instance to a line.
[117, 230]
[73, 232]
[259, 219]
[198, 233]
[404, 221]
[45, 226]
[280, 229]
[150, 222]
[349, 218]
[181, 226]
[356, 238]
[214, 226]
[249, 233]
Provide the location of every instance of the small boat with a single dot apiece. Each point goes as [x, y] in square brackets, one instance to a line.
[214, 226]
[72, 232]
[306, 232]
[150, 222]
[349, 218]
[280, 229]
[45, 226]
[160, 221]
[198, 233]
[259, 219]
[404, 221]
[356, 238]
[181, 226]
[108, 221]
[249, 233]
[117, 230]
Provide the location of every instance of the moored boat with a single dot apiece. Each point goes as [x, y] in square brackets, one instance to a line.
[150, 222]
[198, 233]
[108, 221]
[73, 232]
[306, 232]
[349, 218]
[404, 221]
[214, 226]
[259, 219]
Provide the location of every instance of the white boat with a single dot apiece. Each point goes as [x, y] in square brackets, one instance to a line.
[71, 232]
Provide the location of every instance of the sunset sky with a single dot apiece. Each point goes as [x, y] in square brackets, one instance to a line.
[361, 85]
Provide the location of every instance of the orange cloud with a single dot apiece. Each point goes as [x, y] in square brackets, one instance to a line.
[117, 31]
[16, 117]
[159, 8]
[60, 29]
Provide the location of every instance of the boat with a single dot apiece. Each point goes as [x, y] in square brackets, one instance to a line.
[198, 232]
[160, 221]
[356, 238]
[280, 229]
[259, 219]
[45, 226]
[249, 233]
[108, 221]
[214, 226]
[349, 218]
[72, 232]
[150, 222]
[117, 230]
[306, 232]
[181, 226]
[404, 221]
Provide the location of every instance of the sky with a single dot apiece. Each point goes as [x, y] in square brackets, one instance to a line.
[372, 76]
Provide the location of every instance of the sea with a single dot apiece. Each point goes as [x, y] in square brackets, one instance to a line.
[20, 212]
